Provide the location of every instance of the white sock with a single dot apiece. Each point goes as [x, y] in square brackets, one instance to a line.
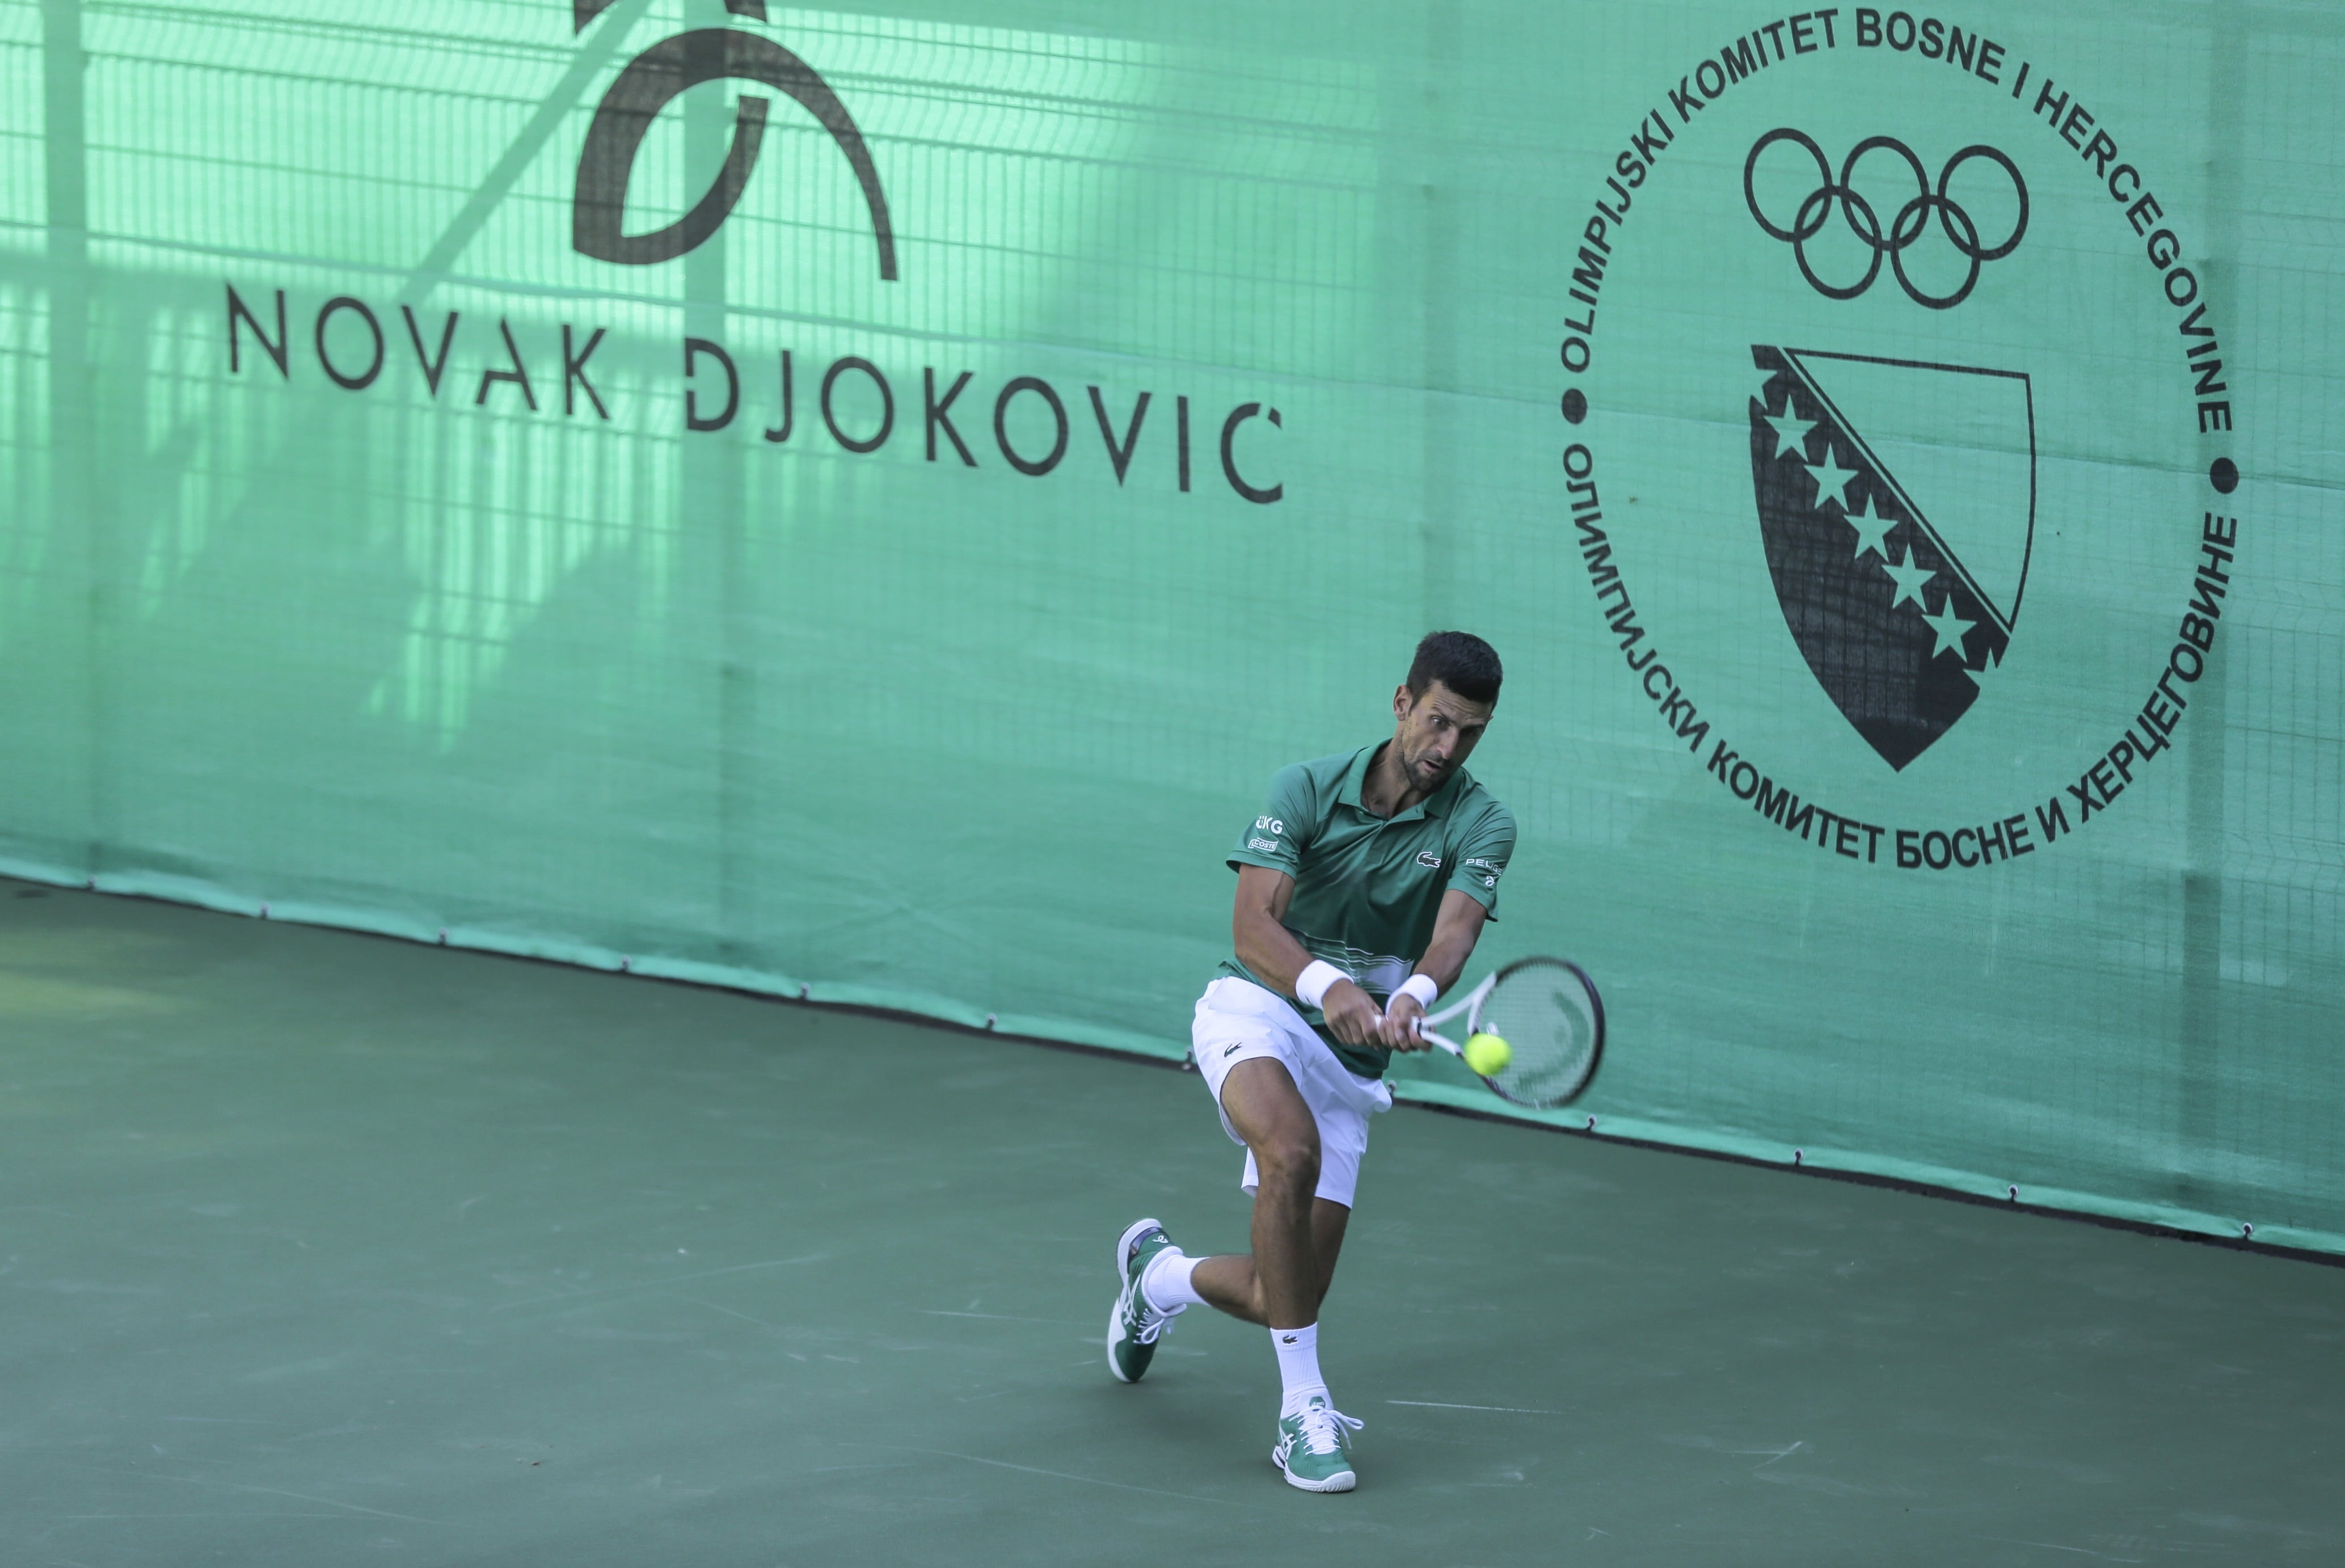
[1166, 1281]
[1298, 1366]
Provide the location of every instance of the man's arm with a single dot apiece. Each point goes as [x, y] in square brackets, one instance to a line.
[1272, 955]
[1456, 930]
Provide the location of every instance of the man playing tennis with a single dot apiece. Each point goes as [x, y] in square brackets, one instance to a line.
[1362, 889]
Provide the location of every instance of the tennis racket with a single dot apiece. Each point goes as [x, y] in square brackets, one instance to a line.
[1547, 1012]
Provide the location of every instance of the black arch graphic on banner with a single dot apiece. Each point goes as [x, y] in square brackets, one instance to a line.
[654, 80]
[585, 11]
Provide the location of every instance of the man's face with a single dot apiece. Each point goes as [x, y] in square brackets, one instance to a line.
[1433, 734]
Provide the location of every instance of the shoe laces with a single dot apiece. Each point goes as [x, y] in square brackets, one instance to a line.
[1151, 1322]
[1323, 1427]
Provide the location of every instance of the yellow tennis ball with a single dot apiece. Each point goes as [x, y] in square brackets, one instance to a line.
[1488, 1054]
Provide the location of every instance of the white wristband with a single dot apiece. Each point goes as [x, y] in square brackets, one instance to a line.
[1311, 985]
[1422, 987]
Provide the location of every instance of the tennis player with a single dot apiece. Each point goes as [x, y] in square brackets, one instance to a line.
[1361, 888]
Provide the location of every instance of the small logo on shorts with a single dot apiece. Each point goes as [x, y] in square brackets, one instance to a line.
[1427, 858]
[1228, 1051]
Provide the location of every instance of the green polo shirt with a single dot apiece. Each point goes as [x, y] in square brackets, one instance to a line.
[1368, 889]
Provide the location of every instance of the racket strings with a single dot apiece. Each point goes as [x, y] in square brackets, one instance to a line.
[1547, 1017]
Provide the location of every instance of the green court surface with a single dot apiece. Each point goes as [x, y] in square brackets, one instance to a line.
[321, 1249]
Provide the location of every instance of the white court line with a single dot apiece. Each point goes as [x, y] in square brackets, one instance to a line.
[656, 1284]
[278, 1492]
[1494, 1410]
[1056, 1475]
[2056, 1546]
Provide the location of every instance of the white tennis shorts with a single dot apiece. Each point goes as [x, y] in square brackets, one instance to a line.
[1238, 1021]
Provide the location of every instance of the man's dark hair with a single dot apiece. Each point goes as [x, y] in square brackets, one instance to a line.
[1459, 660]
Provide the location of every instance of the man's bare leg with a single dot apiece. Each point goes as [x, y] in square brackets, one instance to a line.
[1296, 1238]
[1297, 1235]
[1231, 1283]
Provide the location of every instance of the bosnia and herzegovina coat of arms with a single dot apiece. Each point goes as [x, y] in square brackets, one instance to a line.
[1897, 503]
[1896, 498]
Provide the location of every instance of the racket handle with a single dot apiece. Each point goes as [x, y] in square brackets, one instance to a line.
[1443, 1042]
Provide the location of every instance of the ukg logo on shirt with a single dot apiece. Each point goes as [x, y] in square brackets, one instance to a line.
[655, 79]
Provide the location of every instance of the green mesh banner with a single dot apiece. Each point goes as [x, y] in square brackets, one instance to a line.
[858, 505]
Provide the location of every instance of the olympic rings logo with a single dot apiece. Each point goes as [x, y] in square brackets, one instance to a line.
[1911, 222]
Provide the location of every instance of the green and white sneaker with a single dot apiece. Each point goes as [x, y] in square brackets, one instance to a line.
[1133, 1326]
[1314, 1449]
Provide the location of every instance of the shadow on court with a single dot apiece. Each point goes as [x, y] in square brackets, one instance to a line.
[321, 1248]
